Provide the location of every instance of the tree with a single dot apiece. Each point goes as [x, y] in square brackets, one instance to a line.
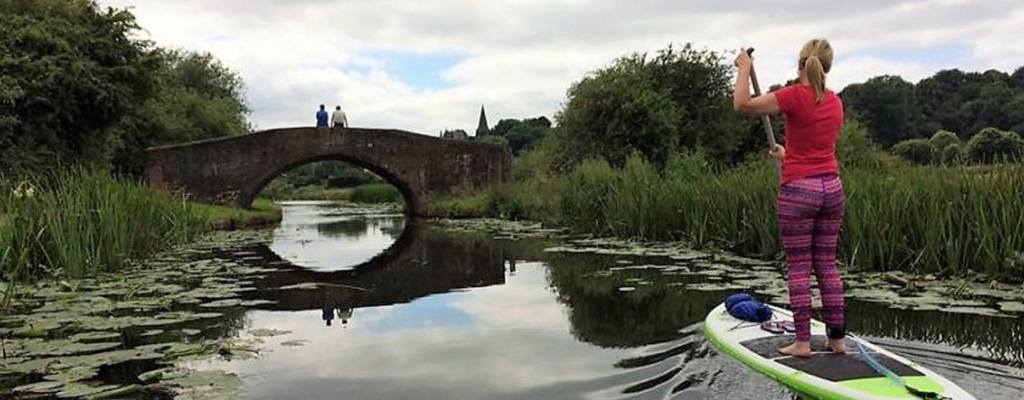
[887, 107]
[655, 106]
[917, 151]
[196, 97]
[940, 141]
[991, 145]
[522, 134]
[1017, 79]
[70, 72]
[953, 154]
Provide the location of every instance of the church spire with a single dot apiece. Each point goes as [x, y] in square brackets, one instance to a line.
[481, 128]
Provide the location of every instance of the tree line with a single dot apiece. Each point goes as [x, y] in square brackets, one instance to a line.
[77, 88]
[951, 117]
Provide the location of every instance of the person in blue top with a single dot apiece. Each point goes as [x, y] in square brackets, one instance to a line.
[321, 119]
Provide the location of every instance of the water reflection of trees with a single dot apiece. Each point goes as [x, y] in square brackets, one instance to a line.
[1000, 338]
[603, 315]
[359, 226]
[350, 228]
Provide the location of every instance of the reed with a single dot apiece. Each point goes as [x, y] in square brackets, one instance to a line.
[946, 220]
[79, 223]
[376, 193]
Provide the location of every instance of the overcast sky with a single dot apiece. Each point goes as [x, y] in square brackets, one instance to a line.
[428, 65]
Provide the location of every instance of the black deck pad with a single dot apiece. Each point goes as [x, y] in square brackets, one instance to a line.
[823, 363]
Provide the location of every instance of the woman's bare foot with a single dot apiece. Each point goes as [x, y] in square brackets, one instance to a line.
[797, 349]
[837, 346]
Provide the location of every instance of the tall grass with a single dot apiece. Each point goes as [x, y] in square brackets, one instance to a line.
[376, 193]
[82, 222]
[939, 220]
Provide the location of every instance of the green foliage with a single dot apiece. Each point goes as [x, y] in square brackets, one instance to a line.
[855, 149]
[330, 174]
[917, 151]
[942, 139]
[493, 139]
[196, 98]
[903, 218]
[262, 213]
[376, 193]
[953, 154]
[522, 134]
[80, 223]
[886, 105]
[69, 72]
[991, 145]
[77, 89]
[654, 106]
[952, 100]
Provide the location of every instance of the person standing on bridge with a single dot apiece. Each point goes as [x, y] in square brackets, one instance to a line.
[321, 119]
[338, 120]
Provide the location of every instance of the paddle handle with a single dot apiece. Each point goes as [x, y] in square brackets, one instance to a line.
[766, 121]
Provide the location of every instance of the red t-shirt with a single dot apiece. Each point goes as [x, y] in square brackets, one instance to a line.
[812, 130]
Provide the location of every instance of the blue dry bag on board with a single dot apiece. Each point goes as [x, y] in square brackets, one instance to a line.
[744, 307]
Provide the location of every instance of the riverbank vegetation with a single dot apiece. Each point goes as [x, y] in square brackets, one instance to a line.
[81, 98]
[662, 156]
[83, 223]
[332, 181]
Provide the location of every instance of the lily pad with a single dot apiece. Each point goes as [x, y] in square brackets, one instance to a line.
[95, 336]
[301, 286]
[295, 343]
[1011, 306]
[77, 390]
[40, 387]
[268, 332]
[222, 303]
[75, 374]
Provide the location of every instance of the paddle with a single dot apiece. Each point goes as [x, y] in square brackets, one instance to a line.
[878, 367]
[766, 121]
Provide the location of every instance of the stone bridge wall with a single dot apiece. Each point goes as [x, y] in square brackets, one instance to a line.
[233, 170]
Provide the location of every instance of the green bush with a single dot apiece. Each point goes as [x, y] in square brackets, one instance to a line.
[376, 193]
[855, 148]
[953, 154]
[991, 145]
[678, 99]
[942, 139]
[917, 151]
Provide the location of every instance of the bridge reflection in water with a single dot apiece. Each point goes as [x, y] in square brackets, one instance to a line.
[416, 265]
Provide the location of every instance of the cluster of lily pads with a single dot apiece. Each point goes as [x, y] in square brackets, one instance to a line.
[723, 271]
[58, 338]
[502, 229]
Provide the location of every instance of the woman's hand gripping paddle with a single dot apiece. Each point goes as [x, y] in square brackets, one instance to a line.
[766, 121]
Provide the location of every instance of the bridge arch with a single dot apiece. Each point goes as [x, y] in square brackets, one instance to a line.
[233, 170]
[248, 195]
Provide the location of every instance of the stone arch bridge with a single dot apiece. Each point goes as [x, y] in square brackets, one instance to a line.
[234, 169]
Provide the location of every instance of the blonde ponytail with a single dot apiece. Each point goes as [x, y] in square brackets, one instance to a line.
[815, 62]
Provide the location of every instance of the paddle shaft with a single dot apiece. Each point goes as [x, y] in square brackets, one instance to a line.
[766, 121]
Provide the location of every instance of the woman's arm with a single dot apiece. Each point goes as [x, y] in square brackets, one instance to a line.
[742, 103]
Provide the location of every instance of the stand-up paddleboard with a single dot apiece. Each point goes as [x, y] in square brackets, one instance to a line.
[825, 376]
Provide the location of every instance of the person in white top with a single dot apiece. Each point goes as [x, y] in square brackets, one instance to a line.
[338, 119]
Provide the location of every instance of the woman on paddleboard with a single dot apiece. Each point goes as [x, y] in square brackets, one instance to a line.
[811, 201]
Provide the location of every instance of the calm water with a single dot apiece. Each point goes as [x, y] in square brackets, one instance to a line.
[406, 310]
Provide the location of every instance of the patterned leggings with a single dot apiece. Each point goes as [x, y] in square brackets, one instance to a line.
[810, 215]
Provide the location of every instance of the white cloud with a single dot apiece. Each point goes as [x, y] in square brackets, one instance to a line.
[522, 55]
